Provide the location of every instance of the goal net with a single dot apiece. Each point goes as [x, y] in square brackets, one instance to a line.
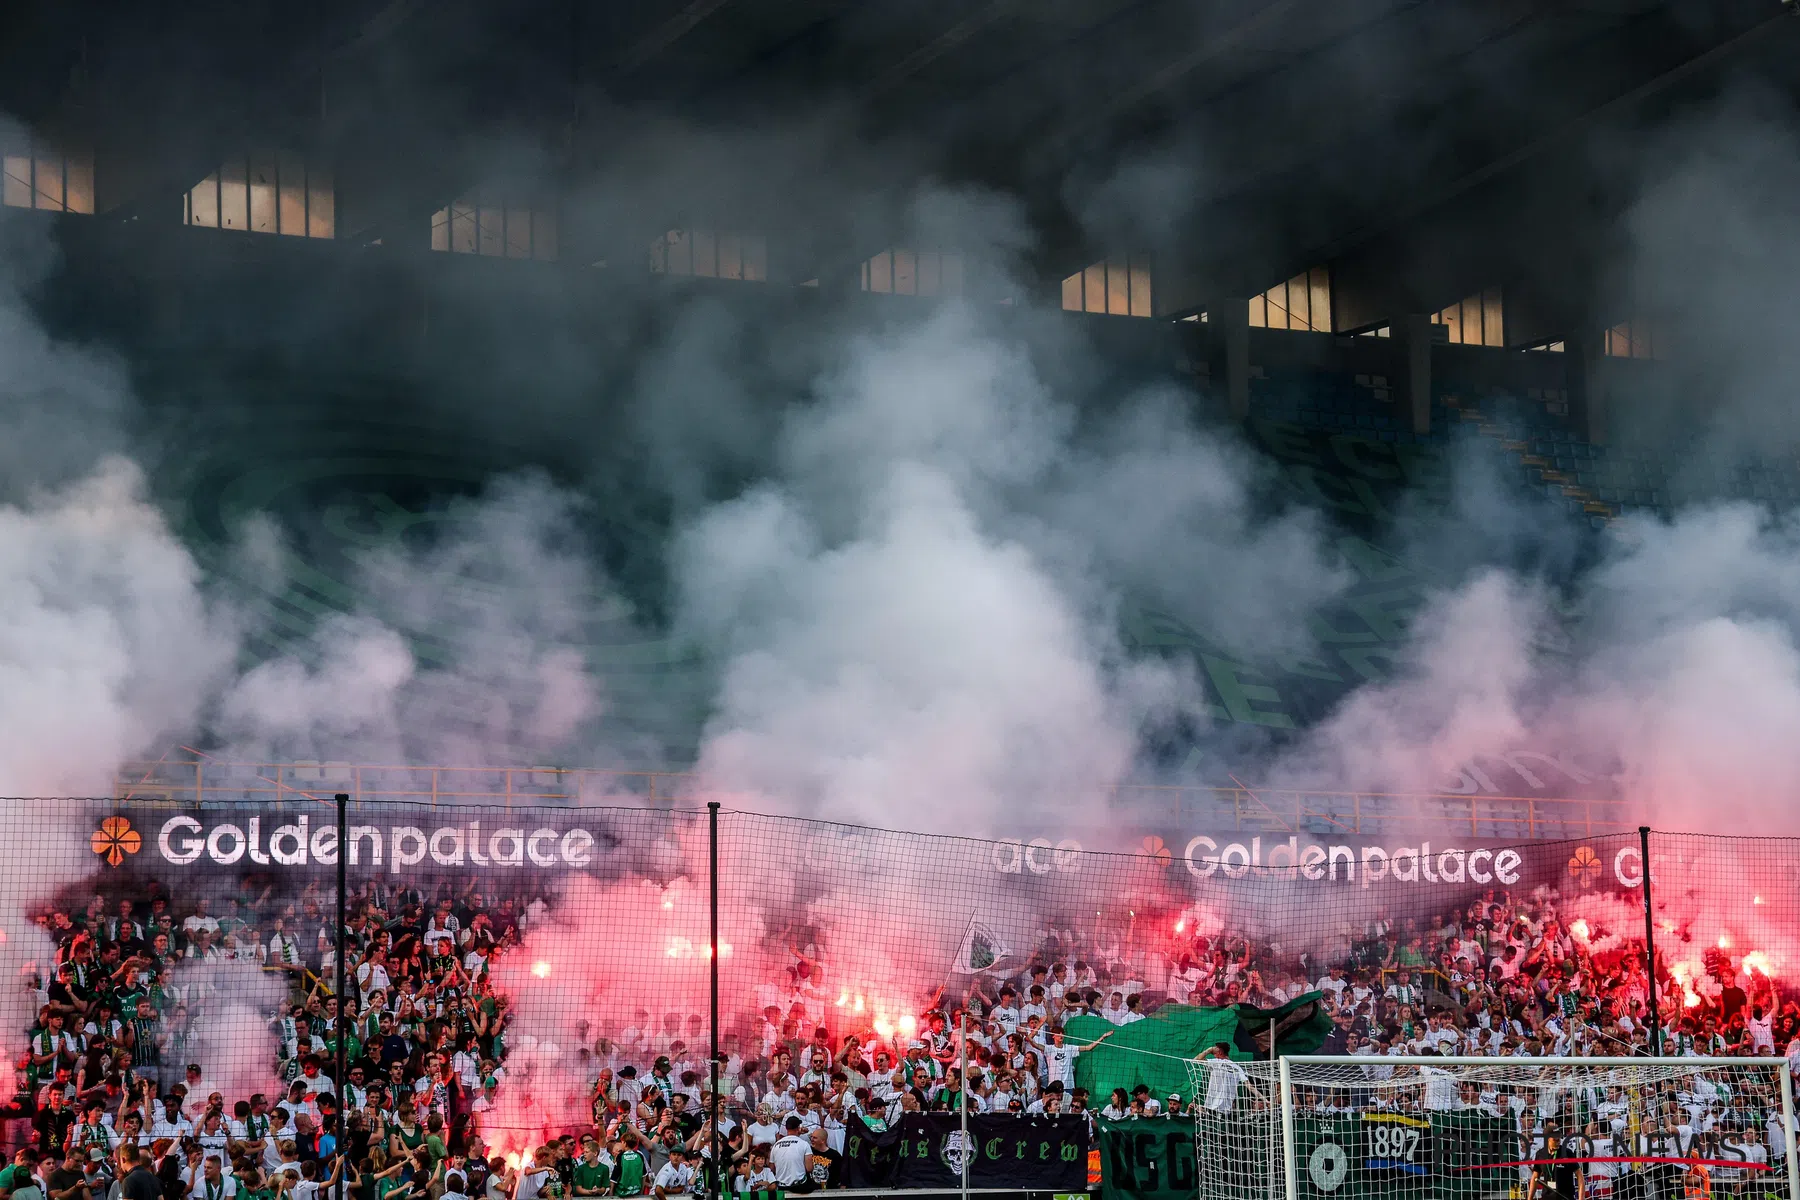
[1424, 1128]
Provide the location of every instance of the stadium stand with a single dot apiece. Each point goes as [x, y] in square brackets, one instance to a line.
[136, 1046]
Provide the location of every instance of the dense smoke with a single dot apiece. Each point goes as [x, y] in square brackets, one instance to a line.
[1678, 680]
[1711, 264]
[910, 607]
[467, 650]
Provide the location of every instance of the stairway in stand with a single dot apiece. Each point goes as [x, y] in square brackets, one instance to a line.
[1540, 467]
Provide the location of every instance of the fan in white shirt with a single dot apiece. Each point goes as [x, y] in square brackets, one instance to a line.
[676, 1177]
[1761, 1029]
[284, 950]
[1441, 1091]
[372, 976]
[213, 1183]
[1747, 1146]
[170, 1123]
[765, 1130]
[1059, 1057]
[1223, 1078]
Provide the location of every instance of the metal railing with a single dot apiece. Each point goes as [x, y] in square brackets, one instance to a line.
[200, 779]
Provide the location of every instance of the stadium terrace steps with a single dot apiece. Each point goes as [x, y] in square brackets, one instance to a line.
[1558, 476]
[1599, 483]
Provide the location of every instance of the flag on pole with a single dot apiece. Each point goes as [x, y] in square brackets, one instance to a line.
[981, 949]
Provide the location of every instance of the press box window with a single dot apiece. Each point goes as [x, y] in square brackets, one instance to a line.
[1119, 286]
[495, 230]
[43, 177]
[1479, 320]
[711, 254]
[1633, 339]
[906, 272]
[1303, 303]
[265, 192]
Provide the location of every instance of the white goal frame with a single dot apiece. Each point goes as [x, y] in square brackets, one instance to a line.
[1288, 1061]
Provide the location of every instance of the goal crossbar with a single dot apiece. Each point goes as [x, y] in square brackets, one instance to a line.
[1673, 1066]
[1491, 1060]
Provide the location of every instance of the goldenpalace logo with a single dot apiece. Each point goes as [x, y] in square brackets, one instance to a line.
[1584, 866]
[115, 839]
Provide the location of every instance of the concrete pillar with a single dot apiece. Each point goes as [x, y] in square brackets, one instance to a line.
[1415, 335]
[1586, 367]
[1232, 318]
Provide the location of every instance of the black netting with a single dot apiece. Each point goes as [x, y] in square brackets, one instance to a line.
[534, 978]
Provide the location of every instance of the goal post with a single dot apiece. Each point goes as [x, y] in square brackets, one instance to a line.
[1368, 1127]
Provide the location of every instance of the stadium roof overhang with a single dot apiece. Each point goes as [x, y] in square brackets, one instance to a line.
[1267, 134]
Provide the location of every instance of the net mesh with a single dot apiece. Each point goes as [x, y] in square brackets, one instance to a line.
[527, 975]
[1415, 1127]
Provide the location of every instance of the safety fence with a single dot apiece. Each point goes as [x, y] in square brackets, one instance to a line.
[525, 970]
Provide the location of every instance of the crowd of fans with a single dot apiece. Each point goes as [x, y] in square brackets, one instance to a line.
[116, 1093]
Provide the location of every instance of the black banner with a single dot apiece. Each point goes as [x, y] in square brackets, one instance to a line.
[300, 836]
[926, 1150]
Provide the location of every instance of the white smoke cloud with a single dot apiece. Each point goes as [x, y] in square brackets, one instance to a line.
[108, 646]
[1695, 676]
[467, 651]
[1681, 678]
[231, 1039]
[912, 607]
[1713, 268]
[1153, 507]
[914, 611]
[1458, 694]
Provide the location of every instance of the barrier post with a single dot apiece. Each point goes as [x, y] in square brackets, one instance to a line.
[1787, 1133]
[1286, 1110]
[1649, 942]
[341, 1034]
[962, 1097]
[712, 878]
[1290, 1169]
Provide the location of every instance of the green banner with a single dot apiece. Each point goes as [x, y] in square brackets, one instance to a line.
[1154, 1051]
[1147, 1160]
[1363, 1156]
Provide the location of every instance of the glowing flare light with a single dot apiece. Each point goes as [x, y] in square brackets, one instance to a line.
[1683, 974]
[541, 970]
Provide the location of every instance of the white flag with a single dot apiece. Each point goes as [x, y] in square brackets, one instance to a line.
[981, 949]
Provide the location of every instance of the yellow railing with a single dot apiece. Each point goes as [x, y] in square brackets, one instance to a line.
[210, 780]
[1327, 814]
[199, 779]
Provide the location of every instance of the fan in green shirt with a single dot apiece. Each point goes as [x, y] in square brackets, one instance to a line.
[632, 1168]
[410, 1140]
[592, 1177]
